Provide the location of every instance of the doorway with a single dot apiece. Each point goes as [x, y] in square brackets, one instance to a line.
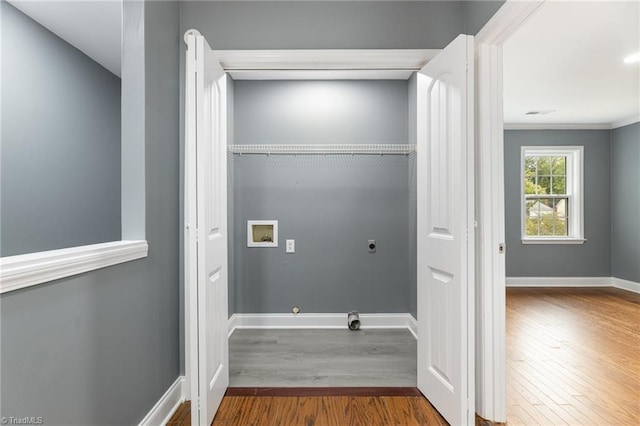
[445, 291]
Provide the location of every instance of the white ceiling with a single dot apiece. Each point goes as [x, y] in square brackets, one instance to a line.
[569, 58]
[92, 26]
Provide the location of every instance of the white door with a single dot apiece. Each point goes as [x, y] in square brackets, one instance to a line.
[445, 231]
[206, 234]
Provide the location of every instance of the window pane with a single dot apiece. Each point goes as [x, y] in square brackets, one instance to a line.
[559, 166]
[530, 185]
[530, 166]
[545, 215]
[531, 227]
[544, 166]
[544, 185]
[558, 185]
[560, 217]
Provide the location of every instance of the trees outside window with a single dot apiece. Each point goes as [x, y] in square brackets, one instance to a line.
[551, 193]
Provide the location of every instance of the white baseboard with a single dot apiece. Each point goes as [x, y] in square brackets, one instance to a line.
[166, 405]
[558, 282]
[625, 284]
[413, 326]
[326, 321]
[573, 282]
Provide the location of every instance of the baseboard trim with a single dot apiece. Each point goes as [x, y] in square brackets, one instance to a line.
[162, 411]
[625, 284]
[558, 282]
[413, 326]
[573, 282]
[321, 321]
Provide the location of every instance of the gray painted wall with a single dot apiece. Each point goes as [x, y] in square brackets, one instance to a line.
[60, 160]
[322, 25]
[591, 259]
[290, 112]
[102, 347]
[330, 205]
[477, 13]
[625, 202]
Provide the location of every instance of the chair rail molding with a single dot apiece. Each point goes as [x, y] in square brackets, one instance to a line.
[31, 269]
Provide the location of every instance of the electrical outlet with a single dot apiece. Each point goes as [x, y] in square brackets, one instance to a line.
[291, 246]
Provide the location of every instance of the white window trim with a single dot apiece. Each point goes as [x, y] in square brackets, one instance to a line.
[26, 270]
[575, 181]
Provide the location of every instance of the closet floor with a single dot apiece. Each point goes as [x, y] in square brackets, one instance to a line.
[319, 358]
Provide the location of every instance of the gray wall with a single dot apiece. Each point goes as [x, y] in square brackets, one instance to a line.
[318, 25]
[102, 347]
[591, 259]
[625, 202]
[330, 205]
[60, 159]
[477, 13]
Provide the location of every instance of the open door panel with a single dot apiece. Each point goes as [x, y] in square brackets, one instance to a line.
[206, 233]
[445, 231]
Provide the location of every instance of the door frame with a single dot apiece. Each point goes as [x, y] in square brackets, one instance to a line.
[491, 399]
[268, 64]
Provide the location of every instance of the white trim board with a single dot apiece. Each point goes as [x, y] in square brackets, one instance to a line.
[625, 284]
[571, 126]
[413, 326]
[557, 126]
[325, 59]
[326, 64]
[321, 321]
[30, 269]
[573, 282]
[626, 121]
[168, 403]
[558, 281]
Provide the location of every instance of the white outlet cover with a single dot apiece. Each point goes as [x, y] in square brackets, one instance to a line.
[291, 246]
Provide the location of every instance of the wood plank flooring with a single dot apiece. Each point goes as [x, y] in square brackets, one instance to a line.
[319, 411]
[573, 356]
[317, 358]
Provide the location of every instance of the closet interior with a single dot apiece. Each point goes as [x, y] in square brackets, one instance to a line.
[318, 171]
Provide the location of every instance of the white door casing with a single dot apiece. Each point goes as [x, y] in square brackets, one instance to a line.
[445, 231]
[206, 234]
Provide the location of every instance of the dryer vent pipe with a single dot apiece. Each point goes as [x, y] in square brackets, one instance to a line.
[353, 320]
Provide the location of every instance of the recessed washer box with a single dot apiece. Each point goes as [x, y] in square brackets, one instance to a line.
[262, 233]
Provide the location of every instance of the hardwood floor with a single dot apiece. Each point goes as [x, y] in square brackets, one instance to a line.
[573, 356]
[319, 410]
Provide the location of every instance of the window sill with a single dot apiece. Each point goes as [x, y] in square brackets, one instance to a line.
[30, 269]
[553, 240]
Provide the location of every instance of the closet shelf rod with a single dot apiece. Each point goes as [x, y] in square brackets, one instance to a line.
[367, 149]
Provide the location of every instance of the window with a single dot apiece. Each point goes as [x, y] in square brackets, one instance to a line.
[552, 206]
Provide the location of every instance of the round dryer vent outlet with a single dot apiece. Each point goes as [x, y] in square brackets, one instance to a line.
[295, 310]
